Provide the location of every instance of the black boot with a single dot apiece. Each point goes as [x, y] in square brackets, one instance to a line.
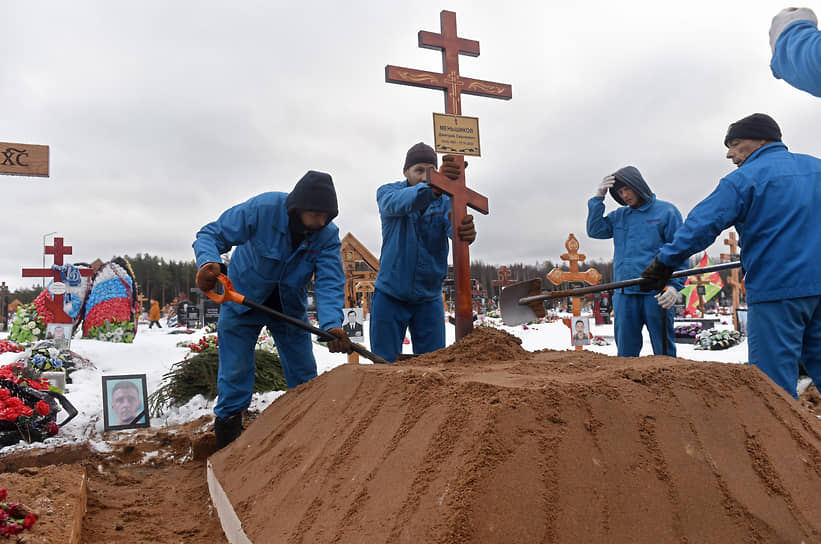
[227, 430]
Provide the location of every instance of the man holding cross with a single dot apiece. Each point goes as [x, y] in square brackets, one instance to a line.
[414, 260]
[772, 200]
[639, 228]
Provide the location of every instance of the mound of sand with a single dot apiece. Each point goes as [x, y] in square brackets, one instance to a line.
[484, 442]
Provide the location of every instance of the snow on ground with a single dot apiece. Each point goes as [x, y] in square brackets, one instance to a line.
[154, 351]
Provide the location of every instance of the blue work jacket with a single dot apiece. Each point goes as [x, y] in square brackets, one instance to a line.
[415, 232]
[773, 201]
[637, 235]
[258, 228]
[797, 57]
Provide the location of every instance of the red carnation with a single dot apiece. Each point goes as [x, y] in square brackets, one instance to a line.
[52, 428]
[42, 408]
[3, 494]
[29, 521]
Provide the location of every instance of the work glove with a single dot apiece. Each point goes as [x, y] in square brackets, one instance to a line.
[450, 168]
[656, 276]
[787, 16]
[207, 276]
[606, 183]
[667, 298]
[342, 344]
[467, 232]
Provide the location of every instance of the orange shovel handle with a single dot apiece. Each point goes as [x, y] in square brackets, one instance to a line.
[228, 293]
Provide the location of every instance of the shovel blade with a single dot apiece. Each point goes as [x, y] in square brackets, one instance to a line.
[514, 313]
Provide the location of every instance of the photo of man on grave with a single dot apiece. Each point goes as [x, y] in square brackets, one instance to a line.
[353, 324]
[581, 336]
[125, 400]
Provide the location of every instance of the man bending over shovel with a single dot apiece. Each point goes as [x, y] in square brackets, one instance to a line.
[281, 240]
[773, 201]
[638, 228]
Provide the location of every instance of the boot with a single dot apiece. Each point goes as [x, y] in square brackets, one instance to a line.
[227, 430]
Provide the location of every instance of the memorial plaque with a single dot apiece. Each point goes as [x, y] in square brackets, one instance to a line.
[210, 312]
[456, 134]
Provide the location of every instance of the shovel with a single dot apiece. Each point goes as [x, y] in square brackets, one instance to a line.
[522, 302]
[230, 295]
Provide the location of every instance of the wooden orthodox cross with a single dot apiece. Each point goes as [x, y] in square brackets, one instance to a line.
[453, 85]
[700, 282]
[557, 276]
[56, 303]
[361, 268]
[733, 280]
[504, 274]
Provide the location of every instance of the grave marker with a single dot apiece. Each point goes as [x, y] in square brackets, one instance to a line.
[453, 85]
[557, 276]
[55, 304]
[23, 159]
[737, 285]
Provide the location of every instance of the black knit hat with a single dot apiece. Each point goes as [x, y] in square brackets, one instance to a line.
[314, 192]
[420, 153]
[757, 126]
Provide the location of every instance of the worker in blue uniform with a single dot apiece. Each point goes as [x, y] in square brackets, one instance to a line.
[639, 227]
[280, 241]
[772, 199]
[414, 260]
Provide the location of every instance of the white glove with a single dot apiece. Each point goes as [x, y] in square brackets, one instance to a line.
[787, 16]
[605, 185]
[667, 298]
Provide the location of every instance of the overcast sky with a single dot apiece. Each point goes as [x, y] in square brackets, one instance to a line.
[160, 115]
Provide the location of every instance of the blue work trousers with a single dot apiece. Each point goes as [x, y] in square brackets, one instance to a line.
[237, 334]
[391, 317]
[781, 333]
[631, 313]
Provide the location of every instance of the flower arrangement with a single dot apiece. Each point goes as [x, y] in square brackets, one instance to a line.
[205, 343]
[715, 339]
[690, 330]
[8, 346]
[27, 325]
[600, 341]
[44, 357]
[265, 341]
[27, 411]
[109, 308]
[13, 518]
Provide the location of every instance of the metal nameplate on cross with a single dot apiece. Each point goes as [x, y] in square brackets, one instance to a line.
[453, 85]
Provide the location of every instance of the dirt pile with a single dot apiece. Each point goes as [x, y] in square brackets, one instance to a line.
[483, 442]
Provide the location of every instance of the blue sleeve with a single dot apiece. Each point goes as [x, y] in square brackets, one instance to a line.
[329, 285]
[703, 224]
[235, 226]
[671, 227]
[598, 226]
[394, 200]
[797, 57]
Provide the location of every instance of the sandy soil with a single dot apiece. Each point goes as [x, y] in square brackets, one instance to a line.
[483, 442]
[480, 442]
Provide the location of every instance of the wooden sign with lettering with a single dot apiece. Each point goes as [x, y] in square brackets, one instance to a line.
[23, 159]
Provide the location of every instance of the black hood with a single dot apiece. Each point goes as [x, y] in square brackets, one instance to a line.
[314, 192]
[630, 176]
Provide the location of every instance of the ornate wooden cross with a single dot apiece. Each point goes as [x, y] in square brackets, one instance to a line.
[700, 281]
[55, 304]
[504, 274]
[557, 276]
[453, 85]
[360, 265]
[734, 282]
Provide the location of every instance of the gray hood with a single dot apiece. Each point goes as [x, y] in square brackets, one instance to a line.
[630, 176]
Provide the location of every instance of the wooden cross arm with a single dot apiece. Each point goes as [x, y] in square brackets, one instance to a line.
[490, 89]
[414, 78]
[456, 187]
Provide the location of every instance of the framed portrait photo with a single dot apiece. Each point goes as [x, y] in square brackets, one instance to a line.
[60, 333]
[353, 323]
[125, 402]
[579, 331]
